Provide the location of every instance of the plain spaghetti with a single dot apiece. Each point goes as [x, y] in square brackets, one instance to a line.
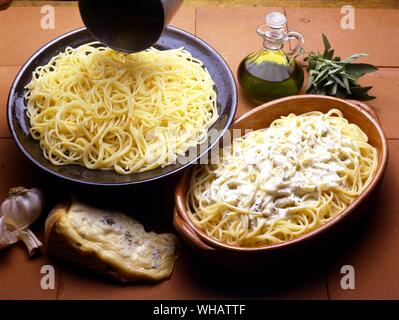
[102, 109]
[279, 183]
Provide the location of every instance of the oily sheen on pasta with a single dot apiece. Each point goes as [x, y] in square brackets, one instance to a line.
[106, 110]
[278, 183]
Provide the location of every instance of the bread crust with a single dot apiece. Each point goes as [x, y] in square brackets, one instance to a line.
[62, 245]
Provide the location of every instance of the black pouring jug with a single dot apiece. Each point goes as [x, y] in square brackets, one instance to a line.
[128, 25]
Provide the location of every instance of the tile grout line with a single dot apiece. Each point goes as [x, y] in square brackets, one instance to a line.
[59, 285]
[287, 26]
[195, 20]
[387, 67]
[326, 280]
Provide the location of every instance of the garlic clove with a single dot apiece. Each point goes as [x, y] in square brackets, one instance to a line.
[7, 237]
[32, 243]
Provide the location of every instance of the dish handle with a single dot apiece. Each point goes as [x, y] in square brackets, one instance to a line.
[366, 108]
[188, 234]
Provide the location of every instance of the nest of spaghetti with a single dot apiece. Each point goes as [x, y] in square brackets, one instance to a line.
[107, 110]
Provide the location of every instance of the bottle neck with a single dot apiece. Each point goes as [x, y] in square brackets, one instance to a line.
[273, 45]
[272, 39]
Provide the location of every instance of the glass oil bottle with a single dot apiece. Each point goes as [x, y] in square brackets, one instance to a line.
[271, 73]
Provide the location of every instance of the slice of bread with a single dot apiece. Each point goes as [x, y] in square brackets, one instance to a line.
[109, 243]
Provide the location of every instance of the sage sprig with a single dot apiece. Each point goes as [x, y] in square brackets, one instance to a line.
[329, 75]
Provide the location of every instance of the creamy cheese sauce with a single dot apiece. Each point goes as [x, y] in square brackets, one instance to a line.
[272, 170]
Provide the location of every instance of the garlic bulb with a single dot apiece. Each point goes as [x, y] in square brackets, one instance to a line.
[21, 208]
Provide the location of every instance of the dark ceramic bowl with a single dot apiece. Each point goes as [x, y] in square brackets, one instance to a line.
[172, 38]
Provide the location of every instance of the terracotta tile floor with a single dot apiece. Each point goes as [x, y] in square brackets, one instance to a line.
[371, 249]
[369, 35]
[20, 40]
[7, 76]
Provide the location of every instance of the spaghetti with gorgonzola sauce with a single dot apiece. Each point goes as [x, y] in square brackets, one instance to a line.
[279, 183]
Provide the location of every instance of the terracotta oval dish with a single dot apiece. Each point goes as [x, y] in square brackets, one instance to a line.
[261, 117]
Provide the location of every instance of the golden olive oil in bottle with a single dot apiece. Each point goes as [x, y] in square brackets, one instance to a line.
[271, 73]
